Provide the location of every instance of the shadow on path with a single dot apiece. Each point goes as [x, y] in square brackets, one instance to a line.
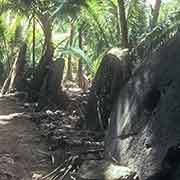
[20, 144]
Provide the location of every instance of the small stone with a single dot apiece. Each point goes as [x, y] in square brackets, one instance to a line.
[104, 170]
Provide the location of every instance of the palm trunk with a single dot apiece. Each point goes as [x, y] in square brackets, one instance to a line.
[34, 44]
[155, 13]
[47, 56]
[2, 73]
[123, 24]
[69, 68]
[80, 60]
[48, 77]
[83, 81]
[46, 24]
[50, 92]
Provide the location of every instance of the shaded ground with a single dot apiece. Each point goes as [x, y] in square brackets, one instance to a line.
[21, 146]
[43, 145]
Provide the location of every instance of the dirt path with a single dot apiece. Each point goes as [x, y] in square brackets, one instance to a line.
[21, 146]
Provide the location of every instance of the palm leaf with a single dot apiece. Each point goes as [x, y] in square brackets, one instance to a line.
[79, 53]
[159, 35]
[137, 19]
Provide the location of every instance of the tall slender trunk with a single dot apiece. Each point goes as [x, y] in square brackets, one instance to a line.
[48, 49]
[123, 24]
[47, 57]
[80, 60]
[7, 66]
[155, 13]
[15, 79]
[2, 73]
[46, 24]
[34, 45]
[48, 73]
[69, 68]
[83, 81]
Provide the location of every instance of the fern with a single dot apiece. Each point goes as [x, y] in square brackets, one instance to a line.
[159, 35]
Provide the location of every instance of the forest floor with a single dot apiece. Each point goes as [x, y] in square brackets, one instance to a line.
[43, 145]
[21, 145]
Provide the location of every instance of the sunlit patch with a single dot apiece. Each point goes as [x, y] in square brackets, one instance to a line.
[4, 119]
[152, 2]
[118, 172]
[118, 52]
[123, 115]
[3, 122]
[36, 176]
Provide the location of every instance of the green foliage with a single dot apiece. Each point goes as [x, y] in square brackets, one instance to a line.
[167, 9]
[2, 31]
[164, 30]
[98, 20]
[137, 20]
[78, 53]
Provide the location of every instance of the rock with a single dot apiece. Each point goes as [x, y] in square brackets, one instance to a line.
[144, 123]
[115, 67]
[177, 174]
[104, 170]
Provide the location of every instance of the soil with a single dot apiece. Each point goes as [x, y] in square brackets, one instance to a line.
[22, 149]
[34, 144]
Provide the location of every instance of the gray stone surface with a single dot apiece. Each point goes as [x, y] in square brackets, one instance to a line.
[104, 170]
[115, 67]
[145, 121]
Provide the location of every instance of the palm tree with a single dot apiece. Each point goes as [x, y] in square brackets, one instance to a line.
[80, 41]
[71, 38]
[123, 24]
[155, 13]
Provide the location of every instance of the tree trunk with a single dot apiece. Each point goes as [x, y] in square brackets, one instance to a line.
[42, 69]
[48, 76]
[155, 13]
[34, 45]
[123, 24]
[113, 73]
[50, 92]
[46, 58]
[15, 79]
[83, 81]
[80, 73]
[2, 73]
[69, 68]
